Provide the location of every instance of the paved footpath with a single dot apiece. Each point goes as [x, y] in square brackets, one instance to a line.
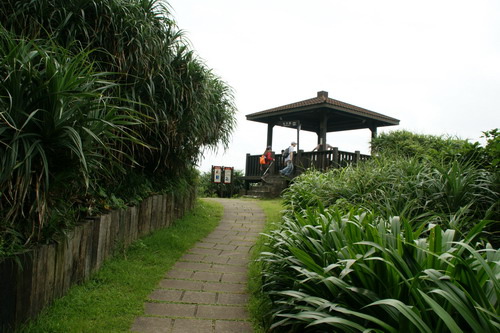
[206, 290]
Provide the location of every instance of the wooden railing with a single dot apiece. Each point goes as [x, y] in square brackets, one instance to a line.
[319, 160]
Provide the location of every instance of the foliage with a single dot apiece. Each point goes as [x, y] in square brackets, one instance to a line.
[184, 106]
[95, 96]
[455, 195]
[407, 241]
[352, 271]
[442, 148]
[114, 296]
[407, 144]
[259, 304]
[209, 189]
[492, 147]
[56, 126]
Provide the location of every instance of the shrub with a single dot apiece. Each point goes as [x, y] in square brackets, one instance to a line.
[407, 144]
[210, 189]
[421, 191]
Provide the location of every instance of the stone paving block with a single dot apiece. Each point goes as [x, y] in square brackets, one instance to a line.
[195, 266]
[166, 295]
[229, 268]
[179, 274]
[191, 257]
[234, 277]
[241, 229]
[224, 287]
[170, 309]
[193, 326]
[235, 252]
[224, 233]
[221, 312]
[181, 284]
[201, 250]
[218, 240]
[242, 243]
[199, 297]
[251, 238]
[207, 276]
[216, 259]
[224, 326]
[237, 261]
[151, 325]
[204, 244]
[225, 247]
[232, 298]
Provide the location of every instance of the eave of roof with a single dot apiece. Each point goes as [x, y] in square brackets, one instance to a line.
[323, 101]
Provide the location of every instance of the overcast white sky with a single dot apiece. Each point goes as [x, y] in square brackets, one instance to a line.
[434, 65]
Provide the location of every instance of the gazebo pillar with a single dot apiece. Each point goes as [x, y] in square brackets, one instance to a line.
[323, 125]
[270, 135]
[374, 132]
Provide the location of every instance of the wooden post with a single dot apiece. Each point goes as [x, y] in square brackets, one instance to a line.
[374, 135]
[357, 156]
[270, 135]
[335, 154]
[322, 131]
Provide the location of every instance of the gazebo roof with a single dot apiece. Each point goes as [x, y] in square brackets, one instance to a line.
[340, 116]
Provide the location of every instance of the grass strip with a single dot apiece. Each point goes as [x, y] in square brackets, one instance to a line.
[259, 304]
[114, 296]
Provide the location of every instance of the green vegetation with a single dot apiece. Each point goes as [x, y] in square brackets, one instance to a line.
[102, 103]
[399, 243]
[111, 300]
[259, 303]
[207, 188]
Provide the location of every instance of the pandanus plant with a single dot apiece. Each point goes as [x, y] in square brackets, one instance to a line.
[56, 122]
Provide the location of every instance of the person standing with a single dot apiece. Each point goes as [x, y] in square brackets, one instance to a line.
[288, 169]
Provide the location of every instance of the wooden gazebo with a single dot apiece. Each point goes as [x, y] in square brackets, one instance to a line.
[321, 115]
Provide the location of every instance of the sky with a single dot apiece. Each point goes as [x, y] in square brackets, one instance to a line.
[432, 64]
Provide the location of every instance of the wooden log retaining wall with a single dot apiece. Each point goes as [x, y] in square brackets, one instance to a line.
[47, 272]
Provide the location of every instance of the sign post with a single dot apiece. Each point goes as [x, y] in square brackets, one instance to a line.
[228, 175]
[216, 174]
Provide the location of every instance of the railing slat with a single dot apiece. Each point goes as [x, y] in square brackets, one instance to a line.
[319, 160]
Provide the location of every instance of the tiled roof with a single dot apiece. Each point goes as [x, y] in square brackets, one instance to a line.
[323, 99]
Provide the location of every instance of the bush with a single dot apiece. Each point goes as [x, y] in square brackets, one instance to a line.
[421, 191]
[209, 189]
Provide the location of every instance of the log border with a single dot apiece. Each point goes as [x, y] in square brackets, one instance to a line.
[48, 271]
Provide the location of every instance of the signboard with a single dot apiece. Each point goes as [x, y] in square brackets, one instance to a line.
[216, 174]
[228, 175]
[289, 123]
